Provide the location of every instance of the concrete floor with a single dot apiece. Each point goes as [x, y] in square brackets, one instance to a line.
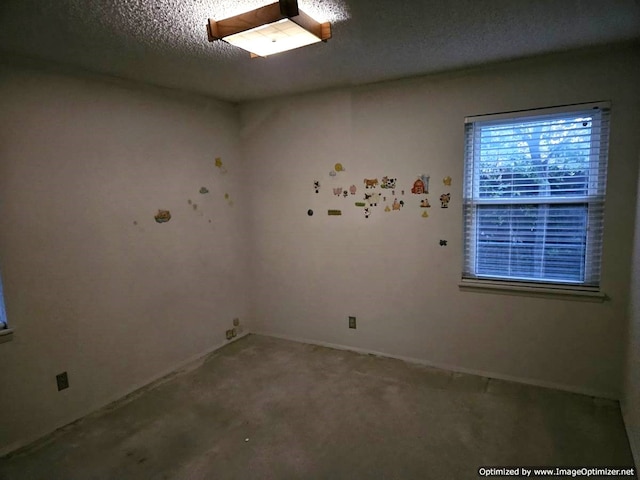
[263, 408]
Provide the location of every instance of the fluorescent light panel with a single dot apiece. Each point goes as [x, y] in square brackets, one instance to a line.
[274, 38]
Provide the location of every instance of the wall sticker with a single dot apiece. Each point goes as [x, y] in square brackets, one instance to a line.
[444, 200]
[421, 185]
[163, 216]
[334, 212]
[338, 167]
[388, 182]
[370, 182]
[220, 165]
[447, 181]
[372, 199]
[316, 186]
[204, 190]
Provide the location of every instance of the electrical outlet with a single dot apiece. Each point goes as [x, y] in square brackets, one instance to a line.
[63, 381]
[236, 322]
[229, 334]
[352, 322]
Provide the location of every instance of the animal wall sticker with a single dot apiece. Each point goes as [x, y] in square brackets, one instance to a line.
[372, 199]
[220, 166]
[444, 200]
[163, 216]
[387, 182]
[337, 191]
[397, 205]
[353, 189]
[424, 203]
[316, 186]
[447, 181]
[370, 182]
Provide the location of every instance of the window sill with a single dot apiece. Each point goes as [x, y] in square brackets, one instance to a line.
[533, 290]
[6, 335]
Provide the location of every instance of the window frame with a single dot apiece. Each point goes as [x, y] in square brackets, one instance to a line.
[594, 200]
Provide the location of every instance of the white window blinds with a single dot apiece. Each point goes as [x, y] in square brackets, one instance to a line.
[534, 195]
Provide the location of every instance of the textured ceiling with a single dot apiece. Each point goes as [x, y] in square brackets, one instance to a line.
[164, 42]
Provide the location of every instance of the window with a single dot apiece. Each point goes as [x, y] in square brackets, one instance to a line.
[5, 332]
[534, 196]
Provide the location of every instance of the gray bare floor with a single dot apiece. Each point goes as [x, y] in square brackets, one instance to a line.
[263, 408]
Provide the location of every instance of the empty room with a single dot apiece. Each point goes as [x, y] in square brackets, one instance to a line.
[323, 239]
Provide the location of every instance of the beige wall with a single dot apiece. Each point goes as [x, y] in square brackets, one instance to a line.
[88, 292]
[310, 273]
[631, 397]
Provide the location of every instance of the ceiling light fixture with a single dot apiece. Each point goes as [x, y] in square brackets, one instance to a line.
[270, 29]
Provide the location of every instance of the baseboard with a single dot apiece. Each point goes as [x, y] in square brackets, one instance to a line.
[187, 365]
[633, 436]
[452, 368]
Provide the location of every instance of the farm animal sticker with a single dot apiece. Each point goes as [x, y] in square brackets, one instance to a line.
[332, 173]
[204, 190]
[163, 216]
[424, 203]
[316, 186]
[443, 243]
[444, 200]
[397, 205]
[370, 182]
[425, 214]
[447, 181]
[388, 182]
[367, 212]
[372, 198]
[337, 191]
[338, 167]
[421, 185]
[387, 209]
[352, 189]
[220, 165]
[345, 194]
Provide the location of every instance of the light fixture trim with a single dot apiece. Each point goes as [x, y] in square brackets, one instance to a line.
[250, 31]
